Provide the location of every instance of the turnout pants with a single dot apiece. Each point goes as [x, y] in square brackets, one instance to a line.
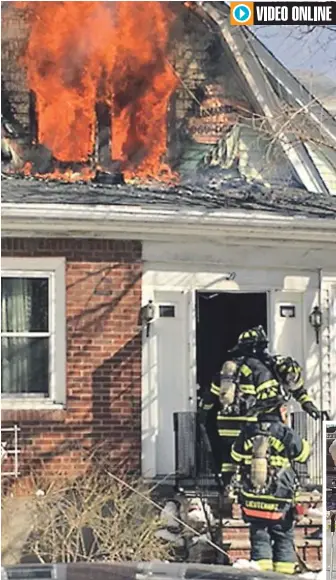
[272, 545]
[229, 427]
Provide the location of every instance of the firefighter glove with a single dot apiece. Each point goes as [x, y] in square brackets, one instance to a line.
[313, 411]
[202, 413]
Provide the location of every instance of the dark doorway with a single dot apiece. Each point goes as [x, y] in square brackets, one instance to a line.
[220, 318]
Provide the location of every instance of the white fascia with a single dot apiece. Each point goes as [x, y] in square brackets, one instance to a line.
[149, 223]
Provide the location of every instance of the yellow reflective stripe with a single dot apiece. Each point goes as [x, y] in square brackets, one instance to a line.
[247, 389]
[267, 385]
[235, 418]
[304, 398]
[214, 389]
[277, 461]
[228, 468]
[248, 444]
[239, 457]
[284, 567]
[229, 432]
[236, 456]
[277, 444]
[268, 410]
[270, 497]
[268, 394]
[265, 565]
[245, 370]
[248, 334]
[303, 456]
[207, 407]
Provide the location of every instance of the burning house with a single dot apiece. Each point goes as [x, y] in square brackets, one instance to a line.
[166, 183]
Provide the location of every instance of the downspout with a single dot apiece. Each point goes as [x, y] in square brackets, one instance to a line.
[320, 354]
[319, 273]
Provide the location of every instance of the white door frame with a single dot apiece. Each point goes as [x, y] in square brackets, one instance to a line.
[190, 286]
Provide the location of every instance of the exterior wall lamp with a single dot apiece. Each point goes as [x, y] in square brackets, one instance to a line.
[315, 320]
[148, 312]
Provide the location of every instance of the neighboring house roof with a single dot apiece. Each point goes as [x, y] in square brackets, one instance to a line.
[273, 87]
[321, 86]
[210, 195]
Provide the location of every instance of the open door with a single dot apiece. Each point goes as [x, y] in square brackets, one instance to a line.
[220, 318]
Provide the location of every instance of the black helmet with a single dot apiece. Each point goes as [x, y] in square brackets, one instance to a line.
[288, 370]
[253, 340]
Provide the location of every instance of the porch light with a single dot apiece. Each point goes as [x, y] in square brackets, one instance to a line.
[148, 312]
[315, 320]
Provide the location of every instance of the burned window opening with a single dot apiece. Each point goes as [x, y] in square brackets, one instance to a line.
[200, 109]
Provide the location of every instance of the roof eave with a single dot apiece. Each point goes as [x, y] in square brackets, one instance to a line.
[150, 223]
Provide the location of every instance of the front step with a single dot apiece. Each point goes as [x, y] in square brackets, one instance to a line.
[236, 533]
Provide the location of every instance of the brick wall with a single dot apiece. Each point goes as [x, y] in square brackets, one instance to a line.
[103, 356]
[14, 34]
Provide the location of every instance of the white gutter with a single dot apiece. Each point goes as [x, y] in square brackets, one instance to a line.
[145, 223]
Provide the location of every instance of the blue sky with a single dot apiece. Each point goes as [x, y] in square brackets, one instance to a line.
[314, 51]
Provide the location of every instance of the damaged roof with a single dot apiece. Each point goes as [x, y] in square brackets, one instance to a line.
[213, 194]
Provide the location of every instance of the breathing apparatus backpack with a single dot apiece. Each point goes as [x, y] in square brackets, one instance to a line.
[260, 471]
[229, 385]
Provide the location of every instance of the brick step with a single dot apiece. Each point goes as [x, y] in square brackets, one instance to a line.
[236, 535]
[238, 526]
[244, 544]
[308, 555]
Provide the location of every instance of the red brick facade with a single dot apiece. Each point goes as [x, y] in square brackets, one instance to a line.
[103, 288]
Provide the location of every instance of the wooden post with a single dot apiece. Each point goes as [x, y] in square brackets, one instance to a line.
[103, 134]
[33, 118]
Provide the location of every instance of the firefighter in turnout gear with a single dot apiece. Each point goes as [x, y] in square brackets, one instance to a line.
[232, 396]
[267, 486]
[252, 382]
[276, 378]
[289, 374]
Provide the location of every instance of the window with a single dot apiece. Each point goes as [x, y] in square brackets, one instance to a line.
[33, 331]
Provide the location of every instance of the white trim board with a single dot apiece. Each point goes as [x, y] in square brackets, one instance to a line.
[54, 268]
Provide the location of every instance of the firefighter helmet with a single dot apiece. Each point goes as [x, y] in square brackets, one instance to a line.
[253, 340]
[289, 371]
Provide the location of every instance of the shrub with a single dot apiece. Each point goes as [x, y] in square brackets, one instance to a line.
[92, 518]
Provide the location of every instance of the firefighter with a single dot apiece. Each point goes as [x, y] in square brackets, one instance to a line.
[268, 484]
[256, 381]
[276, 378]
[290, 374]
[224, 408]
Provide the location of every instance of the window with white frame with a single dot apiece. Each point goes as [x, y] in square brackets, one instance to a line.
[33, 354]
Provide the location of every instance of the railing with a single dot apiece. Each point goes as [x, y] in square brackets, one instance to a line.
[10, 451]
[193, 461]
[311, 473]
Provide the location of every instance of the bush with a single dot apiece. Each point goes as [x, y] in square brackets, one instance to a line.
[93, 518]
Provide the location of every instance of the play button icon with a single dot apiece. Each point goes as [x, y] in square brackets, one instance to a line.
[241, 14]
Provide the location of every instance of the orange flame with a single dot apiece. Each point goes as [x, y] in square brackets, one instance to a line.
[81, 52]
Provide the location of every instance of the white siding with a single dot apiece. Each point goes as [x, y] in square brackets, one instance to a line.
[324, 166]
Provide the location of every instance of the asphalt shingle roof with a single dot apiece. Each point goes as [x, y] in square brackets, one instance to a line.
[214, 194]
